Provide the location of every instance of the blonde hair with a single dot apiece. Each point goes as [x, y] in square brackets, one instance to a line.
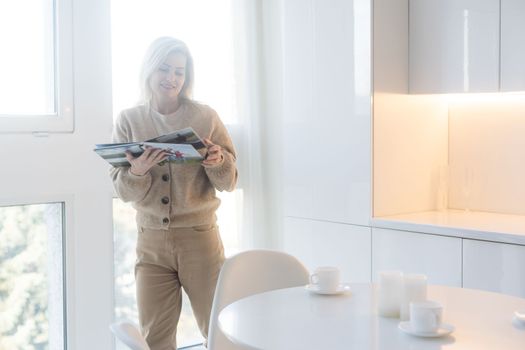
[156, 55]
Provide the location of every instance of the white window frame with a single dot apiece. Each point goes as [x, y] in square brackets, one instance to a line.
[62, 121]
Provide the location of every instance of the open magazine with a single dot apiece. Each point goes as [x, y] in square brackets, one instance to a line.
[182, 145]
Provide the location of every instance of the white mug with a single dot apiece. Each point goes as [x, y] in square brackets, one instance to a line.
[425, 316]
[326, 278]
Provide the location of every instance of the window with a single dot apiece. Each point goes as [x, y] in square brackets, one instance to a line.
[204, 25]
[32, 277]
[36, 66]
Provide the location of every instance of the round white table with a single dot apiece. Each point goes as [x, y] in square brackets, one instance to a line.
[293, 318]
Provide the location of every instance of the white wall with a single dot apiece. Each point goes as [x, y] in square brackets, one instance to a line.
[318, 97]
[326, 110]
[63, 167]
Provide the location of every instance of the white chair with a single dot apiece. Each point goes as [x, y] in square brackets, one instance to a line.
[130, 335]
[249, 273]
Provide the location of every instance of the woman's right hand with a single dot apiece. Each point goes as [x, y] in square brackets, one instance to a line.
[142, 164]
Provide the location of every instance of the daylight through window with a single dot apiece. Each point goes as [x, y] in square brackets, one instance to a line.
[32, 277]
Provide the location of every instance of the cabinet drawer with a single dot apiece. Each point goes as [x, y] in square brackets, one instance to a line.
[495, 267]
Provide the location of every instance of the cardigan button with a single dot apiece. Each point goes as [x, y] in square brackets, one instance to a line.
[165, 177]
[165, 220]
[165, 200]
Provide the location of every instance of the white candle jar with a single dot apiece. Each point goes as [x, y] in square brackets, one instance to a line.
[390, 292]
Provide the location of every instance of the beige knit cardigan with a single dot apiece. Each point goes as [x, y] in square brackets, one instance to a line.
[174, 195]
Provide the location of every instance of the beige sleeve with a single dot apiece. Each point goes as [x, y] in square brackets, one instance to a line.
[129, 187]
[223, 176]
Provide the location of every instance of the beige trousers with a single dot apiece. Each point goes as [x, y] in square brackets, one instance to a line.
[168, 260]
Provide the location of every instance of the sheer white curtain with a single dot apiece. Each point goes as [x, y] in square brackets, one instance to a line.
[254, 128]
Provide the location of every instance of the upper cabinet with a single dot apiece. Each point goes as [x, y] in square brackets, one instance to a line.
[455, 46]
[512, 45]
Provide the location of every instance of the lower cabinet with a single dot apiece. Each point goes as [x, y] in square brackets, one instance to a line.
[438, 257]
[361, 252]
[320, 243]
[496, 267]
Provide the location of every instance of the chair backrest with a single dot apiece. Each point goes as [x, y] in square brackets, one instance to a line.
[130, 335]
[249, 273]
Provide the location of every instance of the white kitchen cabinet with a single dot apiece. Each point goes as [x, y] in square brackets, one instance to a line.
[454, 46]
[512, 45]
[326, 110]
[318, 243]
[438, 257]
[495, 267]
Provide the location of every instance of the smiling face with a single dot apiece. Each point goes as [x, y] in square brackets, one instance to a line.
[168, 80]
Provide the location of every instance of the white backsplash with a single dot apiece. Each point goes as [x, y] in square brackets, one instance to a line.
[410, 145]
[487, 153]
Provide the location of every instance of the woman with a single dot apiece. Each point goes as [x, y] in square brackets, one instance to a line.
[178, 242]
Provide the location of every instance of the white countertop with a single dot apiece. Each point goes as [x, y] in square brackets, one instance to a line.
[295, 319]
[459, 223]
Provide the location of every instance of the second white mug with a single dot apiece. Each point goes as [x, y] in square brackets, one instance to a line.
[426, 316]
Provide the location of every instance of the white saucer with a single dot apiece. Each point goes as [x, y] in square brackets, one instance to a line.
[443, 330]
[342, 288]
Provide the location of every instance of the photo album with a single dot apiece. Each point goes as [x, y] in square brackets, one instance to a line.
[182, 145]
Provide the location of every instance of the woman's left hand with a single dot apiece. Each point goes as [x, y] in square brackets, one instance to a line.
[214, 156]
